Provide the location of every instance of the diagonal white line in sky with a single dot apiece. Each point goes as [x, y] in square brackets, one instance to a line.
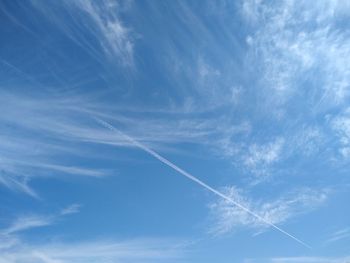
[198, 181]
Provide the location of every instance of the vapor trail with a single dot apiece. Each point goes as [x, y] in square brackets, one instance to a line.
[196, 180]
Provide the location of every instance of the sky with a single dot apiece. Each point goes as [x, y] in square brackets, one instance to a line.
[174, 131]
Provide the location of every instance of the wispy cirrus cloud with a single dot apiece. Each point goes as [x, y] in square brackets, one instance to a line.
[42, 131]
[13, 248]
[72, 209]
[297, 44]
[95, 28]
[30, 221]
[306, 259]
[261, 156]
[341, 125]
[34, 134]
[137, 250]
[115, 38]
[11, 236]
[16, 182]
[339, 235]
[278, 211]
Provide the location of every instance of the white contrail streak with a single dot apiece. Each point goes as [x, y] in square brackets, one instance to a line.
[196, 180]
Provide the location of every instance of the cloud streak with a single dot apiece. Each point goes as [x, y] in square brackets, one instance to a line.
[94, 27]
[30, 221]
[339, 235]
[306, 259]
[133, 251]
[228, 218]
[14, 249]
[43, 130]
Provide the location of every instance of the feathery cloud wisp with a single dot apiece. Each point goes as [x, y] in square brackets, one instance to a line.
[339, 235]
[228, 217]
[306, 259]
[135, 251]
[293, 42]
[99, 22]
[30, 221]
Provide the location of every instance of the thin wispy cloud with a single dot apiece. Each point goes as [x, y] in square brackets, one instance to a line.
[30, 221]
[138, 250]
[342, 234]
[341, 125]
[14, 248]
[72, 209]
[16, 183]
[261, 156]
[306, 259]
[297, 42]
[52, 126]
[58, 128]
[115, 38]
[111, 39]
[228, 218]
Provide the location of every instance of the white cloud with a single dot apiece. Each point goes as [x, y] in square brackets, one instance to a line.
[30, 221]
[16, 183]
[341, 125]
[15, 249]
[49, 129]
[250, 10]
[206, 71]
[299, 48]
[307, 141]
[115, 37]
[98, 22]
[252, 156]
[339, 235]
[261, 155]
[72, 209]
[229, 218]
[306, 259]
[137, 250]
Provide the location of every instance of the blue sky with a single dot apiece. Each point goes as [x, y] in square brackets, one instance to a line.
[174, 131]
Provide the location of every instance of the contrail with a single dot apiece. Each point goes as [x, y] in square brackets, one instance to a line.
[196, 180]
